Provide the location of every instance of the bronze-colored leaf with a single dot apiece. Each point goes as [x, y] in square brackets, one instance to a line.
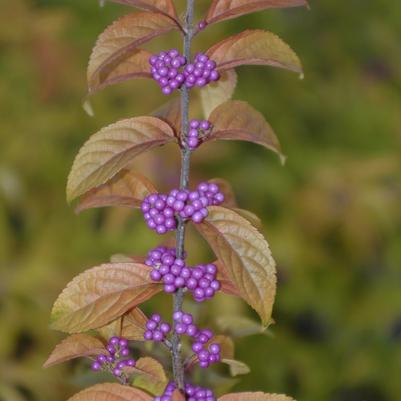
[120, 40]
[226, 346]
[127, 188]
[227, 190]
[216, 93]
[163, 6]
[101, 295]
[245, 257]
[250, 216]
[177, 396]
[149, 375]
[171, 114]
[111, 392]
[131, 325]
[110, 150]
[130, 65]
[134, 325]
[254, 47]
[256, 396]
[236, 367]
[221, 10]
[75, 346]
[236, 120]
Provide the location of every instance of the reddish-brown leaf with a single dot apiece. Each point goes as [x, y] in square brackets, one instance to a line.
[130, 65]
[111, 149]
[257, 396]
[227, 190]
[75, 346]
[226, 346]
[216, 93]
[254, 47]
[131, 325]
[111, 392]
[127, 188]
[221, 10]
[101, 295]
[120, 41]
[237, 120]
[245, 257]
[177, 396]
[163, 6]
[171, 114]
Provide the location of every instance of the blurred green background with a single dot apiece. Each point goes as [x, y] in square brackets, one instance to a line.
[332, 214]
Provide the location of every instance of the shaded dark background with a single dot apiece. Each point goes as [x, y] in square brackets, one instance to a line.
[331, 214]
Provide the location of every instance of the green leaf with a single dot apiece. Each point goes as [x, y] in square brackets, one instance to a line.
[110, 150]
[239, 326]
[245, 257]
[100, 295]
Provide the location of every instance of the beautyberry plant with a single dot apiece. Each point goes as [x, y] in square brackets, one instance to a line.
[99, 309]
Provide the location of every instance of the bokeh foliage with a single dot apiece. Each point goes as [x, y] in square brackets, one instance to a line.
[332, 214]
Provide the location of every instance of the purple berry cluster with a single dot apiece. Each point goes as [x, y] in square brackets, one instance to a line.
[156, 329]
[160, 210]
[116, 360]
[192, 393]
[199, 129]
[203, 283]
[201, 280]
[184, 325]
[165, 69]
[201, 72]
[167, 268]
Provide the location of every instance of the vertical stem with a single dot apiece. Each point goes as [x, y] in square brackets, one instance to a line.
[178, 367]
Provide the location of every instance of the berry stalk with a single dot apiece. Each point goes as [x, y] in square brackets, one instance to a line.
[177, 362]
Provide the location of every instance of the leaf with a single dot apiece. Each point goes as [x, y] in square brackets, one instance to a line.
[239, 326]
[134, 325]
[134, 64]
[226, 346]
[75, 346]
[227, 190]
[150, 375]
[111, 149]
[218, 92]
[256, 396]
[238, 121]
[131, 325]
[121, 39]
[127, 188]
[171, 114]
[236, 367]
[164, 6]
[250, 216]
[111, 392]
[177, 396]
[254, 47]
[245, 256]
[101, 295]
[221, 10]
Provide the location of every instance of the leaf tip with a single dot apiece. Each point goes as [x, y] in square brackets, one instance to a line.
[87, 106]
